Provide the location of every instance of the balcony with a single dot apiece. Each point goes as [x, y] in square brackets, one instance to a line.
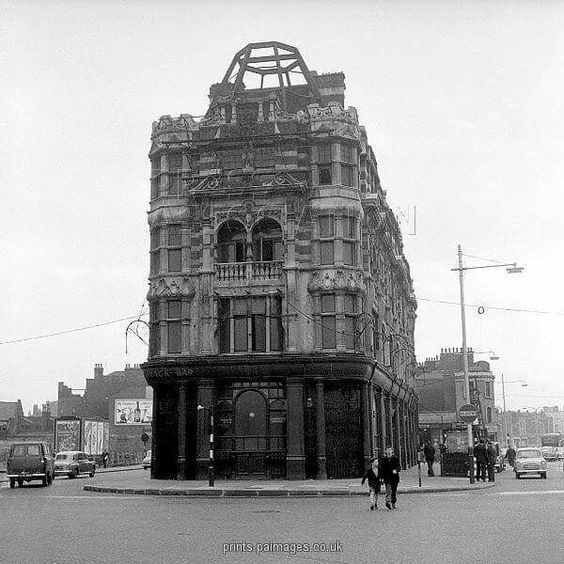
[249, 271]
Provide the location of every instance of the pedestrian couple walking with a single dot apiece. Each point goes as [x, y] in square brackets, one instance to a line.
[385, 469]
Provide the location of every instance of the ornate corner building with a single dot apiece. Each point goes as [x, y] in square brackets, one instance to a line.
[281, 304]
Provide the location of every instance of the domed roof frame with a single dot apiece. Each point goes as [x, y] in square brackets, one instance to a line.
[283, 60]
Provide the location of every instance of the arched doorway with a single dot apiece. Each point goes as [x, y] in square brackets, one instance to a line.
[251, 433]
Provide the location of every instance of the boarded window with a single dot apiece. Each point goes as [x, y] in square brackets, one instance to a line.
[347, 175]
[348, 253]
[174, 337]
[174, 260]
[328, 332]
[327, 252]
[326, 226]
[174, 236]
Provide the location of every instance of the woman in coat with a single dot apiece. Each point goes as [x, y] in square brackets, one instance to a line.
[372, 474]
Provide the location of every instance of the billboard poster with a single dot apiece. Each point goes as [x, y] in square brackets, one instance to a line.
[133, 411]
[93, 434]
[67, 434]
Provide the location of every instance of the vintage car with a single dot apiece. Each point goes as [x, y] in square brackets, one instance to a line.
[550, 454]
[72, 463]
[529, 460]
[30, 461]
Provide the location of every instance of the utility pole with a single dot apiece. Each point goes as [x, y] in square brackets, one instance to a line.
[465, 360]
[512, 268]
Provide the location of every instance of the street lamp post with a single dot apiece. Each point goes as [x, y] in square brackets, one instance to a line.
[511, 268]
[211, 469]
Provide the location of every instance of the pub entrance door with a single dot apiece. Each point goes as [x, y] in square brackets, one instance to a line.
[252, 433]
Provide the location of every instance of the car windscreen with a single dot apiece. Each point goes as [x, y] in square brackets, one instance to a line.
[18, 450]
[530, 453]
[63, 457]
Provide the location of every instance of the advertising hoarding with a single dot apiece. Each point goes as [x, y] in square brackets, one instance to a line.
[94, 437]
[67, 434]
[133, 412]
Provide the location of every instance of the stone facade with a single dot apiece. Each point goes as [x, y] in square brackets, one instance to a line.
[280, 298]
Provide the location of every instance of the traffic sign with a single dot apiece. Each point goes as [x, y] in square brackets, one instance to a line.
[467, 413]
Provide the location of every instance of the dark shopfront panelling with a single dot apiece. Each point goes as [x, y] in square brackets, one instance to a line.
[165, 434]
[263, 454]
[343, 430]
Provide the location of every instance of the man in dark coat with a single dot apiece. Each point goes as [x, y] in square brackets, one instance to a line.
[389, 471]
[481, 455]
[429, 452]
[510, 455]
[492, 458]
[372, 474]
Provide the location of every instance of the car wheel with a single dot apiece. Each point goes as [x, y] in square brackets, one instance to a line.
[543, 475]
[12, 483]
[20, 483]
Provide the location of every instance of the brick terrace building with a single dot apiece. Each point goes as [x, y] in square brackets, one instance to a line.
[440, 385]
[279, 293]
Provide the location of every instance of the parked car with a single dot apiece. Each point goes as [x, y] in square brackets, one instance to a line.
[529, 461]
[147, 460]
[550, 454]
[72, 463]
[30, 461]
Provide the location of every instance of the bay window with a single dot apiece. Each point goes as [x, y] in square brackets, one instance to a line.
[250, 324]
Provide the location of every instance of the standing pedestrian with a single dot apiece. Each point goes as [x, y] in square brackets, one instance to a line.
[481, 455]
[429, 452]
[389, 471]
[105, 457]
[372, 474]
[492, 458]
[510, 455]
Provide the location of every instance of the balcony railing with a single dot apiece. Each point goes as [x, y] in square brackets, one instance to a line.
[245, 271]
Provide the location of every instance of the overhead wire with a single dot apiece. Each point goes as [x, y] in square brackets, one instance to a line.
[56, 334]
[498, 308]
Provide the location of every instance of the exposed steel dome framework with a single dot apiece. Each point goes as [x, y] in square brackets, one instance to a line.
[270, 59]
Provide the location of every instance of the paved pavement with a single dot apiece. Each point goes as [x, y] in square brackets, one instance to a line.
[139, 483]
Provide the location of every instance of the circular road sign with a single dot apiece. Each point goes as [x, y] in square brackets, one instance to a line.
[467, 413]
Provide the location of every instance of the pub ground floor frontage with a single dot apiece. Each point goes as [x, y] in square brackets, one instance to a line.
[290, 417]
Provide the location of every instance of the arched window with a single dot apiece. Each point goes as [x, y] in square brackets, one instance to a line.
[231, 242]
[267, 240]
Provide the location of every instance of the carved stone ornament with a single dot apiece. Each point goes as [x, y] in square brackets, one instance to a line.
[212, 182]
[334, 111]
[176, 214]
[331, 280]
[283, 179]
[173, 287]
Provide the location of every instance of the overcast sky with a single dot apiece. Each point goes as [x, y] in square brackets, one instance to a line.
[463, 106]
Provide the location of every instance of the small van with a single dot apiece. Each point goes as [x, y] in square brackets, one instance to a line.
[30, 461]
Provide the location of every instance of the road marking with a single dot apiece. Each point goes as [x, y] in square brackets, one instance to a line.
[542, 492]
